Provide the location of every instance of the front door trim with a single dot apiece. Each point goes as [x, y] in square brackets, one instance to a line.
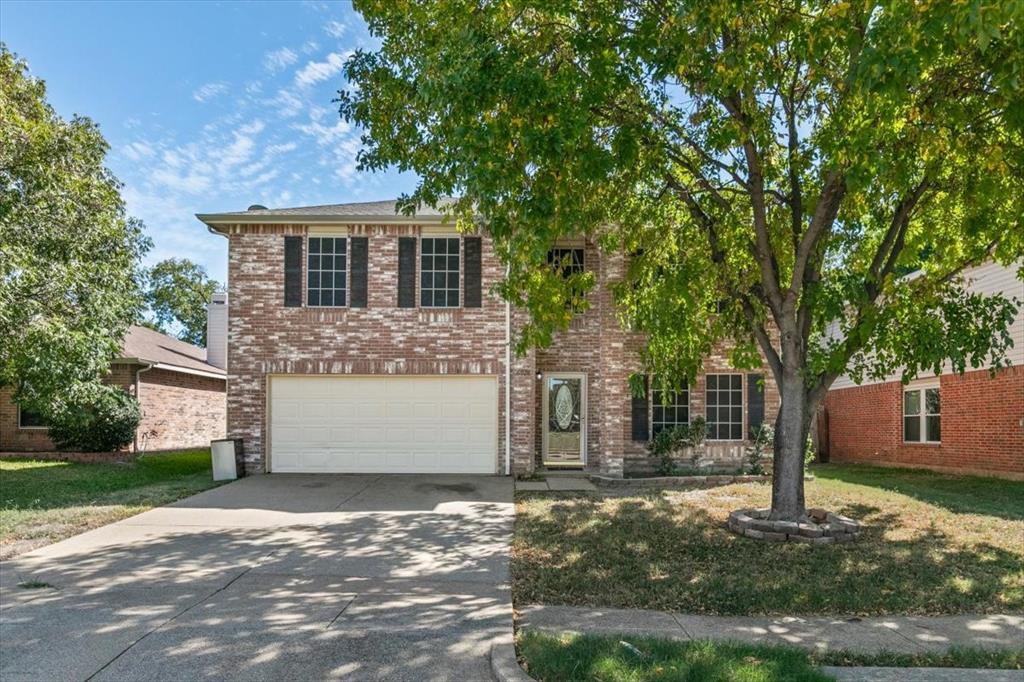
[544, 417]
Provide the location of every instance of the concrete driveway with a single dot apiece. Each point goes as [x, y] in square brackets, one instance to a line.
[278, 577]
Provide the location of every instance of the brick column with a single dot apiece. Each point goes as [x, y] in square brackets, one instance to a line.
[616, 364]
[523, 421]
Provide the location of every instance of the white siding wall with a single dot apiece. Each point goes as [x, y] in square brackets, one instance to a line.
[989, 278]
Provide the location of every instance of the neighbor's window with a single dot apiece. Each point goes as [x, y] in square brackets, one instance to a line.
[27, 419]
[724, 406]
[439, 272]
[669, 409]
[327, 271]
[922, 415]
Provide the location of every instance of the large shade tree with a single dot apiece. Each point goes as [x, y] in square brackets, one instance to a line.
[177, 293]
[801, 180]
[69, 255]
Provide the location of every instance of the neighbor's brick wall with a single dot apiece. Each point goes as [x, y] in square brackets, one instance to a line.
[15, 439]
[180, 410]
[266, 338]
[981, 425]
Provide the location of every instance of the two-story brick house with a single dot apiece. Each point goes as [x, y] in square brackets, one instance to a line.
[361, 340]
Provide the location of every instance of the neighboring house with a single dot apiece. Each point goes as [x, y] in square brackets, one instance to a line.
[365, 341]
[965, 424]
[181, 394]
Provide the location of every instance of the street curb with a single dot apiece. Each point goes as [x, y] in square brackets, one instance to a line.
[504, 665]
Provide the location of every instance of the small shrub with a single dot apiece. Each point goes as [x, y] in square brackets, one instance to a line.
[93, 418]
[761, 447]
[668, 442]
[809, 454]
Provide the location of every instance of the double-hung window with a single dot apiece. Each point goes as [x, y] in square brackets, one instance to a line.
[922, 415]
[723, 401]
[327, 272]
[439, 272]
[669, 409]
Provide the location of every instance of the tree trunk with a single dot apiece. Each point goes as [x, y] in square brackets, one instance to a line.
[791, 428]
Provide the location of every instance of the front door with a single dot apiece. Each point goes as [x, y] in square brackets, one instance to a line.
[565, 427]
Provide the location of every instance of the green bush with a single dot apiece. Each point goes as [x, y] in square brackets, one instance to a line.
[670, 441]
[93, 418]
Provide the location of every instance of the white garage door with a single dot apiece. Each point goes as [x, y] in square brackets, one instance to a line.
[394, 424]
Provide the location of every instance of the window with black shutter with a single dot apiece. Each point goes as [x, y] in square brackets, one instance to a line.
[640, 426]
[472, 247]
[755, 403]
[360, 249]
[407, 272]
[293, 272]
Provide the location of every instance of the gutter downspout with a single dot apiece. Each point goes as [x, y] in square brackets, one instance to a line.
[138, 398]
[508, 381]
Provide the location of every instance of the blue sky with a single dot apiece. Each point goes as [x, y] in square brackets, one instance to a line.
[207, 106]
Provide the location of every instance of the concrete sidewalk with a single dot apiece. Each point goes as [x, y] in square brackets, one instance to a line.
[897, 634]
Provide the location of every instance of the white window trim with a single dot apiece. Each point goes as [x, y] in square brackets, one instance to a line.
[922, 417]
[419, 271]
[348, 270]
[29, 428]
[743, 407]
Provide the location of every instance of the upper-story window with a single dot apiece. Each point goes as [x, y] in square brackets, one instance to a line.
[327, 272]
[669, 409]
[568, 261]
[724, 405]
[922, 415]
[439, 272]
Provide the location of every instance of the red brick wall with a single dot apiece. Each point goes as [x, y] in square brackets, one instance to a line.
[180, 410]
[981, 425]
[265, 338]
[15, 439]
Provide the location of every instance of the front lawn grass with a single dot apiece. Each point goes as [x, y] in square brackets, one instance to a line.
[645, 659]
[932, 544]
[45, 501]
[605, 658]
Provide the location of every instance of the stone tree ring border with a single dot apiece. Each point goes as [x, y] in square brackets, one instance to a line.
[754, 523]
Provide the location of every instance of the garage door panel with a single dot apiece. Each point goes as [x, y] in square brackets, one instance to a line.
[422, 424]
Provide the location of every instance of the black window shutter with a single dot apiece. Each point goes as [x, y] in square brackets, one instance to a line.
[641, 429]
[407, 272]
[755, 402]
[471, 270]
[293, 272]
[360, 253]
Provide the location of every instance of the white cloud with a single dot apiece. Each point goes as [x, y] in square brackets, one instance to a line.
[252, 128]
[324, 134]
[287, 104]
[208, 91]
[310, 46]
[315, 72]
[335, 29]
[280, 59]
[138, 150]
[188, 182]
